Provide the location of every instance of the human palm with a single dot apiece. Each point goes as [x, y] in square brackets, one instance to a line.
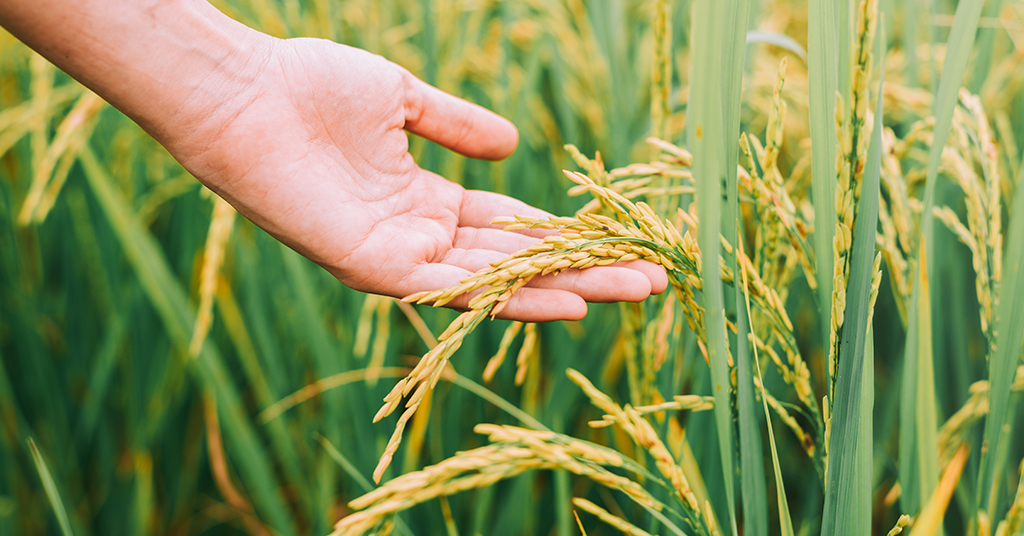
[316, 153]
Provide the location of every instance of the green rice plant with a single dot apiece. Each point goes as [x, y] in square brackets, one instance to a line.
[172, 361]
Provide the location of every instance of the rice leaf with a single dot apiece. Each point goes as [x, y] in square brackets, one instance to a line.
[823, 58]
[918, 476]
[50, 487]
[777, 39]
[910, 23]
[849, 475]
[843, 12]
[705, 136]
[752, 480]
[1009, 334]
[985, 42]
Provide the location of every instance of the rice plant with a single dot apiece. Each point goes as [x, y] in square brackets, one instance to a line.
[830, 187]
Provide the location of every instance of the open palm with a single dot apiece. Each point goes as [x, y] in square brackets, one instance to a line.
[315, 152]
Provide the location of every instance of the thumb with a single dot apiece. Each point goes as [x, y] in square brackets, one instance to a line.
[459, 125]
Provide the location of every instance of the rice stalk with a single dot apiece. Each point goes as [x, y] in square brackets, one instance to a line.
[499, 357]
[972, 166]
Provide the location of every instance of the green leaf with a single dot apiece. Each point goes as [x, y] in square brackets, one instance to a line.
[754, 497]
[706, 136]
[823, 58]
[50, 487]
[849, 475]
[777, 39]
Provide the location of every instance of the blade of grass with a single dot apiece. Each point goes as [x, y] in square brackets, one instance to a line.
[918, 470]
[777, 39]
[99, 379]
[705, 136]
[501, 403]
[865, 434]
[986, 39]
[843, 13]
[847, 507]
[752, 482]
[823, 58]
[1003, 362]
[785, 520]
[51, 489]
[909, 33]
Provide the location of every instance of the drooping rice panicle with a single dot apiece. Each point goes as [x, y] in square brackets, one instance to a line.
[499, 357]
[529, 350]
[895, 220]
[678, 403]
[513, 451]
[971, 162]
[635, 232]
[644, 435]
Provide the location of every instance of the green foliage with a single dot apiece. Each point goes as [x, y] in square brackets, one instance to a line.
[103, 236]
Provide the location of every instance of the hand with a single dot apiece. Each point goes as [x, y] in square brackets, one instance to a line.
[315, 152]
[307, 139]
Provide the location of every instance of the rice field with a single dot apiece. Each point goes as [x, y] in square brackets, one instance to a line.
[830, 186]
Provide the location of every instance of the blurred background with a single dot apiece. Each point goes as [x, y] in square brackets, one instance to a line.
[267, 427]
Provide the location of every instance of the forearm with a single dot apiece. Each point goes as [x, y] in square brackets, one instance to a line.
[167, 64]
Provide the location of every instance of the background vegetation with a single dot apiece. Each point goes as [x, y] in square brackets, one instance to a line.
[116, 419]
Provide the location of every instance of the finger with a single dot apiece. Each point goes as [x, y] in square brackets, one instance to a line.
[601, 284]
[543, 305]
[469, 238]
[456, 124]
[527, 305]
[654, 273]
[597, 284]
[493, 239]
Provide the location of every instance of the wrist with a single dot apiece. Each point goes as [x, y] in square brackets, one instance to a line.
[198, 76]
[175, 67]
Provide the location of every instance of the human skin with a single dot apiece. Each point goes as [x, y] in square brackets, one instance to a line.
[308, 139]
